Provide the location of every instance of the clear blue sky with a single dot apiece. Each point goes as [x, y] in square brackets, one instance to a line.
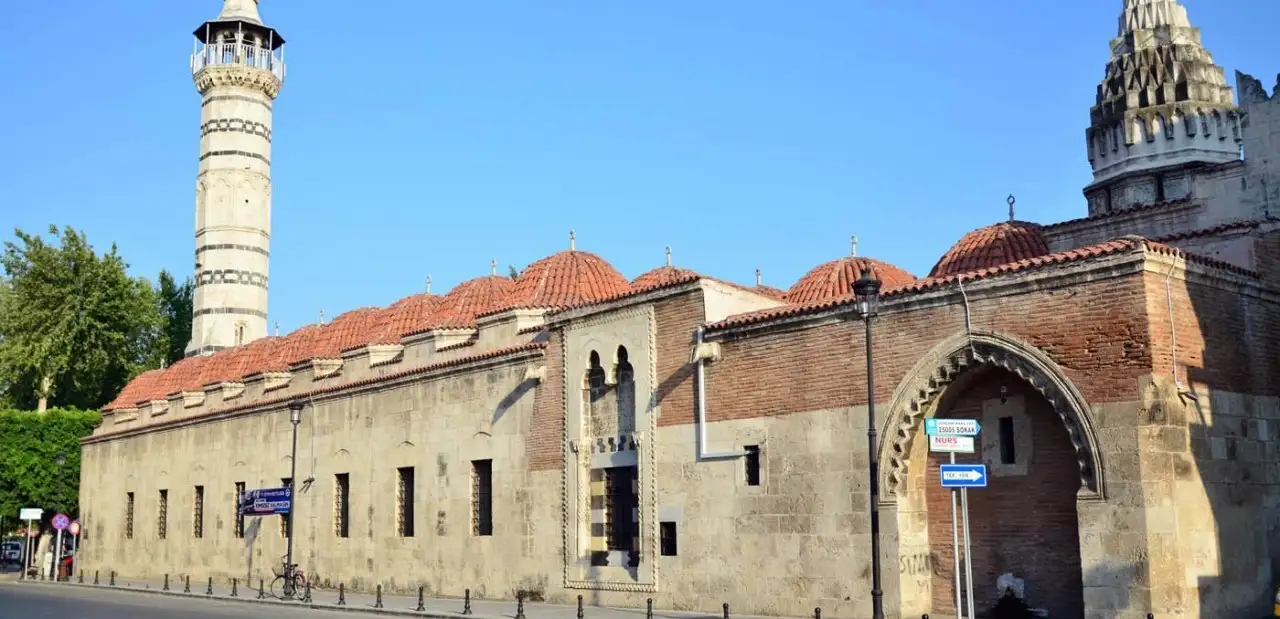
[425, 136]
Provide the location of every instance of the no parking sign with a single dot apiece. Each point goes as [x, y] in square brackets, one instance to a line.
[61, 522]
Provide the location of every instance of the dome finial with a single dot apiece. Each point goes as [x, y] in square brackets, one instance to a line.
[853, 246]
[571, 241]
[246, 10]
[493, 267]
[321, 316]
[758, 280]
[1011, 200]
[277, 328]
[428, 283]
[668, 255]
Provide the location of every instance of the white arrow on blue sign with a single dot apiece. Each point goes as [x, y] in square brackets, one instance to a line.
[963, 475]
[952, 427]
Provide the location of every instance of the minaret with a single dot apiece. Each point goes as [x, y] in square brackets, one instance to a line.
[1163, 104]
[238, 68]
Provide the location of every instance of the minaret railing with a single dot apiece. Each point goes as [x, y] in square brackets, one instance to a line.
[242, 54]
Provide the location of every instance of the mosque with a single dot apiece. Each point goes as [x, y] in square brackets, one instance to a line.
[696, 441]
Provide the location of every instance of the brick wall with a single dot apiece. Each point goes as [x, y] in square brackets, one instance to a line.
[1097, 331]
[544, 440]
[675, 321]
[1022, 524]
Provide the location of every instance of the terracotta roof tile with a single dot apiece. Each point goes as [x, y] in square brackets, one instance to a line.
[565, 279]
[458, 309]
[833, 279]
[135, 390]
[992, 246]
[662, 276]
[1141, 208]
[1121, 245]
[408, 316]
[181, 376]
[349, 330]
[770, 291]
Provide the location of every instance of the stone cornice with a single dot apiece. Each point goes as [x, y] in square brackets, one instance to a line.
[565, 317]
[237, 76]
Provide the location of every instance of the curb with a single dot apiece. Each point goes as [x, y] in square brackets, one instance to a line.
[433, 614]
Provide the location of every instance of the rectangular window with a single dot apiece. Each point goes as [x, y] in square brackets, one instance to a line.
[667, 539]
[1008, 455]
[285, 530]
[128, 515]
[752, 462]
[239, 518]
[482, 497]
[162, 516]
[404, 501]
[341, 504]
[621, 500]
[197, 513]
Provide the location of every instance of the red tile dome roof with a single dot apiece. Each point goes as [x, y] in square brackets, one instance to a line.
[663, 276]
[567, 279]
[992, 246]
[459, 308]
[835, 279]
[408, 316]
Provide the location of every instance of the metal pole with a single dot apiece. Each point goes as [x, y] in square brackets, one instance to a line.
[968, 556]
[26, 551]
[877, 595]
[293, 502]
[57, 556]
[955, 547]
[75, 555]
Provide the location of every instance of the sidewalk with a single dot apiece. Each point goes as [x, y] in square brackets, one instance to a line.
[439, 608]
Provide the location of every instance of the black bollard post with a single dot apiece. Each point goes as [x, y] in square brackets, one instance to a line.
[924, 616]
[648, 608]
[579, 607]
[1151, 616]
[342, 595]
[421, 605]
[466, 602]
[113, 578]
[95, 577]
[186, 584]
[726, 610]
[234, 592]
[519, 605]
[209, 591]
[378, 602]
[262, 589]
[166, 583]
[817, 613]
[306, 593]
[81, 577]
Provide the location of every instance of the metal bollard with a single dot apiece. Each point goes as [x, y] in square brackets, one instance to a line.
[234, 592]
[186, 584]
[209, 591]
[579, 607]
[306, 593]
[95, 577]
[817, 613]
[342, 595]
[1151, 616]
[421, 603]
[378, 602]
[262, 589]
[726, 610]
[80, 576]
[113, 578]
[166, 583]
[520, 605]
[648, 608]
[466, 602]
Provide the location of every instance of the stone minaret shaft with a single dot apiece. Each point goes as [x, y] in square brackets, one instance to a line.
[238, 68]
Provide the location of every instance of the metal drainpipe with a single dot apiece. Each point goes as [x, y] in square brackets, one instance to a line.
[701, 398]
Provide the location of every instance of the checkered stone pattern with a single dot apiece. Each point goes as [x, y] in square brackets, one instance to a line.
[239, 125]
[607, 549]
[231, 276]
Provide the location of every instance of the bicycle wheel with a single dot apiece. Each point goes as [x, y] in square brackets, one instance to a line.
[300, 588]
[277, 588]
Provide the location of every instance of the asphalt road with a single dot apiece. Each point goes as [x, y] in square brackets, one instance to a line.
[19, 601]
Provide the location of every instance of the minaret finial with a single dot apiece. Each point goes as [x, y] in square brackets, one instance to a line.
[428, 283]
[853, 246]
[572, 244]
[668, 255]
[321, 316]
[1011, 200]
[277, 328]
[246, 10]
[493, 267]
[759, 281]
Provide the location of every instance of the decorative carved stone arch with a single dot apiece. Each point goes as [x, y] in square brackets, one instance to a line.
[917, 395]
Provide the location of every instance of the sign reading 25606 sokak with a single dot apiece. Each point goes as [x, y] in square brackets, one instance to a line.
[266, 502]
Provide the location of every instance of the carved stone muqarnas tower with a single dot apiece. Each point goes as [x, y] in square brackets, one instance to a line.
[238, 68]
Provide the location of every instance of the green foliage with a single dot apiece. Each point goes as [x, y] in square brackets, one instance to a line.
[29, 447]
[74, 326]
[175, 306]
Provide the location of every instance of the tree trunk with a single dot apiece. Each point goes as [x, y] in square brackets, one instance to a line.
[43, 404]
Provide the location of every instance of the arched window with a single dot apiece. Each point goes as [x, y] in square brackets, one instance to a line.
[626, 393]
[240, 326]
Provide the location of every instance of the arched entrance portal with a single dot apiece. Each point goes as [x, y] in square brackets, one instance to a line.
[1037, 442]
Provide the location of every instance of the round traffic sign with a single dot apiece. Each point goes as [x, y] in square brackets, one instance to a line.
[61, 522]
[74, 528]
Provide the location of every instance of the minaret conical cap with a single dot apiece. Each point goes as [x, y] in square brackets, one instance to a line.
[240, 10]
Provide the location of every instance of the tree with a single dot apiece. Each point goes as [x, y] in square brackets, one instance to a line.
[175, 307]
[74, 326]
[30, 475]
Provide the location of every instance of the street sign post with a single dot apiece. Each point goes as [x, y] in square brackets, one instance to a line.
[60, 524]
[74, 530]
[952, 436]
[29, 514]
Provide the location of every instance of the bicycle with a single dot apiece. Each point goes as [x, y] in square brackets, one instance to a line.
[290, 582]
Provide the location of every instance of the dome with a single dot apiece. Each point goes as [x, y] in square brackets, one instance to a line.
[566, 279]
[408, 316]
[835, 279]
[137, 390]
[663, 276]
[349, 330]
[459, 308]
[992, 246]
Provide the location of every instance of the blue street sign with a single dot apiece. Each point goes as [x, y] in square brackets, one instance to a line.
[963, 475]
[952, 427]
[266, 502]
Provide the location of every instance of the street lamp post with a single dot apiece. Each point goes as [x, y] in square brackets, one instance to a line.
[295, 416]
[866, 292]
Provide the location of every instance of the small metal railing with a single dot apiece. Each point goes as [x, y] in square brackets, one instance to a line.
[252, 56]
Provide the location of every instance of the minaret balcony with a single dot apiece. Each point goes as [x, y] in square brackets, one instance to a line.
[240, 54]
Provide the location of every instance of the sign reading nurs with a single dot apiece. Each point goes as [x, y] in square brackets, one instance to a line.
[951, 444]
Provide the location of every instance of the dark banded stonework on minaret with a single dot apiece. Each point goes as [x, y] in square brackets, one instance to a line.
[238, 68]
